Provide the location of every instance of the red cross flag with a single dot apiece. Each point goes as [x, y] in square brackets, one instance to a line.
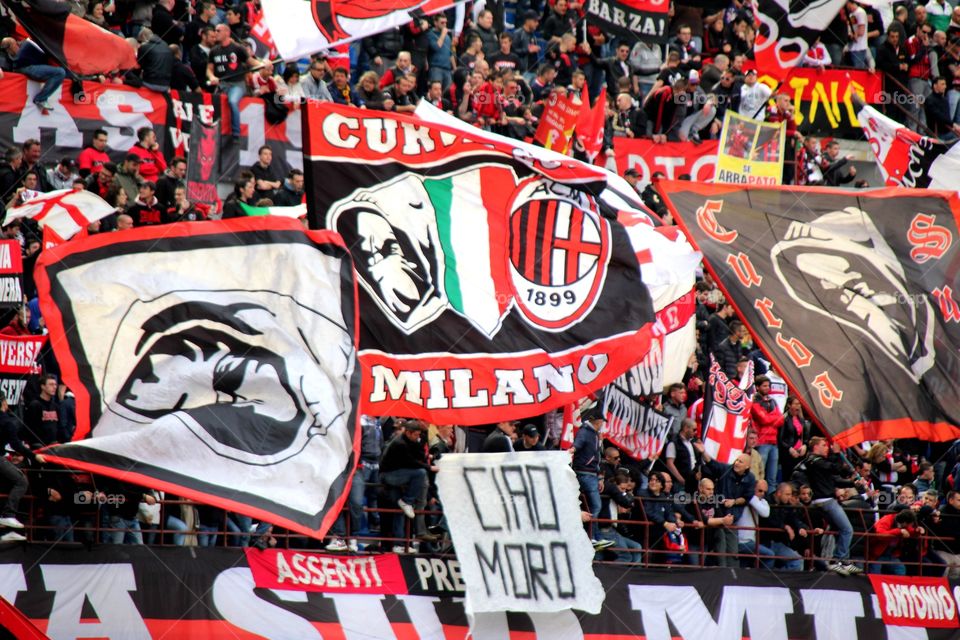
[726, 413]
[66, 212]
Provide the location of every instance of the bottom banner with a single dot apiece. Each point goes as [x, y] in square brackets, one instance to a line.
[140, 592]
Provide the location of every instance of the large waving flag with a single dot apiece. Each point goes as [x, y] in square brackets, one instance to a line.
[233, 386]
[64, 212]
[853, 297]
[492, 287]
[726, 413]
[79, 45]
[906, 158]
[787, 29]
[302, 27]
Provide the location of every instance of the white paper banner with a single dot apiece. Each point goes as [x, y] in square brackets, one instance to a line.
[515, 523]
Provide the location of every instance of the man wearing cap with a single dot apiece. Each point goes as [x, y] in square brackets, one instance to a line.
[529, 439]
[63, 175]
[586, 457]
[632, 176]
[129, 178]
[501, 438]
[753, 95]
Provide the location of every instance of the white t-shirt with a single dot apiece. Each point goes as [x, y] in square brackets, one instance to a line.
[859, 17]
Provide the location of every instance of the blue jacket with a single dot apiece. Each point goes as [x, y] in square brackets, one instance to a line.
[729, 485]
[586, 445]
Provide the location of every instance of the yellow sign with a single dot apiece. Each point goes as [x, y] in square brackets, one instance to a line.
[750, 151]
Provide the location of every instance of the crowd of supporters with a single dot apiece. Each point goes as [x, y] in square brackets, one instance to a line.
[497, 74]
[790, 501]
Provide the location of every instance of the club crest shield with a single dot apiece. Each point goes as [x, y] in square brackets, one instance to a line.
[558, 252]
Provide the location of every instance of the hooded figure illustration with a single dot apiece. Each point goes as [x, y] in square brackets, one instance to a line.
[841, 267]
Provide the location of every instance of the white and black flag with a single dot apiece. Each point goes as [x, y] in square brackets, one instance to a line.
[223, 368]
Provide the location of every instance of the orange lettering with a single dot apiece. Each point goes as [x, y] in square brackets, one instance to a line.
[827, 391]
[928, 240]
[765, 307]
[707, 221]
[797, 352]
[743, 268]
[949, 308]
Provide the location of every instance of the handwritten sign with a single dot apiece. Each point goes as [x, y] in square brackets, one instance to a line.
[515, 523]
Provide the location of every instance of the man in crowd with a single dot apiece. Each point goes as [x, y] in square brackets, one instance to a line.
[146, 210]
[42, 416]
[824, 476]
[501, 438]
[837, 169]
[175, 176]
[227, 70]
[291, 193]
[779, 529]
[63, 175]
[735, 486]
[440, 43]
[32, 61]
[404, 466]
[267, 174]
[529, 439]
[682, 457]
[156, 61]
[147, 149]
[198, 56]
[314, 83]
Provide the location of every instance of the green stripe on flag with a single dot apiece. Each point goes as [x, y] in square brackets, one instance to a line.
[441, 195]
[296, 211]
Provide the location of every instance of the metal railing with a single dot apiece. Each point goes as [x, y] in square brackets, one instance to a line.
[90, 525]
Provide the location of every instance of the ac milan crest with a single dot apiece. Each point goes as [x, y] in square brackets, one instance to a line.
[559, 248]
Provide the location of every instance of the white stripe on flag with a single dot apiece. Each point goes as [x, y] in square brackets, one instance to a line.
[470, 240]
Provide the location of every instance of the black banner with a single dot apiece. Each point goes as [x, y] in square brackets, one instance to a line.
[123, 591]
[646, 19]
[853, 296]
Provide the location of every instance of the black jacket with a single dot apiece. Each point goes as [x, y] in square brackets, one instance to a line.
[824, 476]
[497, 442]
[166, 28]
[788, 434]
[402, 453]
[780, 515]
[156, 62]
[728, 354]
[9, 436]
[285, 197]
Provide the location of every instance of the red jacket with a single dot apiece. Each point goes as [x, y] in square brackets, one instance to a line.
[152, 163]
[891, 544]
[766, 422]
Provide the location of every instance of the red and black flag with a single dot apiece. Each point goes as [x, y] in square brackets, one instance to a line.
[491, 286]
[726, 412]
[79, 45]
[853, 296]
[787, 29]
